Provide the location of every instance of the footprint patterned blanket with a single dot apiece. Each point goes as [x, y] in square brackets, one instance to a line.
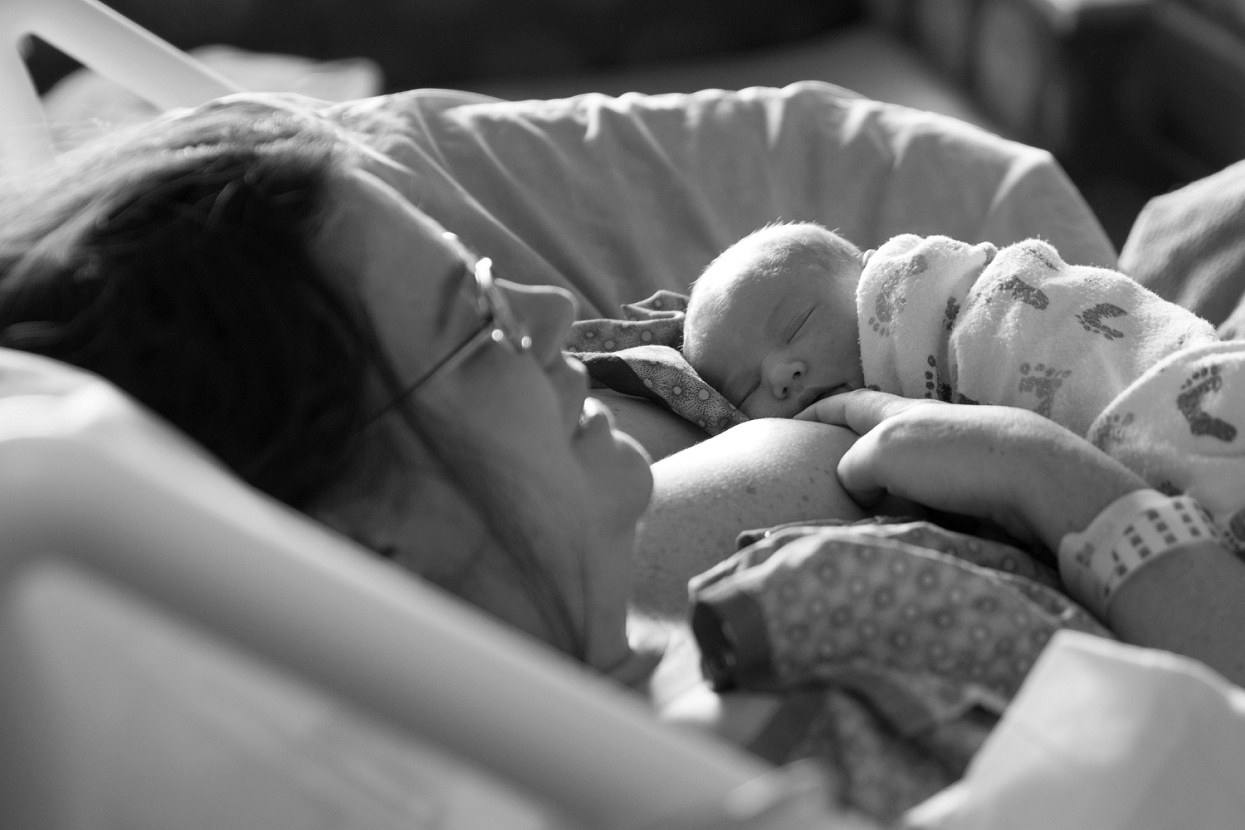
[1144, 379]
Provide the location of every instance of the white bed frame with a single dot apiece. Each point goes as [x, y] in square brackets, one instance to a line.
[102, 39]
[90, 485]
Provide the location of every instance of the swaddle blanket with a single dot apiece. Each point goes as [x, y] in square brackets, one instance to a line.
[1017, 327]
[641, 356]
[1145, 380]
[1179, 426]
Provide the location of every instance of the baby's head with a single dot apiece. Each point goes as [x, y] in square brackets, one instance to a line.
[771, 323]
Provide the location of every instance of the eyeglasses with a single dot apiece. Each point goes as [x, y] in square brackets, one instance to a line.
[500, 326]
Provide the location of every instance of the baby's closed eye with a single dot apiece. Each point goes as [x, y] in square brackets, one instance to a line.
[797, 323]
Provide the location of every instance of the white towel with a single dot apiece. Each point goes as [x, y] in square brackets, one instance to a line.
[1018, 327]
[1144, 379]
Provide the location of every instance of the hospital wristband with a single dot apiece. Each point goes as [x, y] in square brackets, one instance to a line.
[1133, 530]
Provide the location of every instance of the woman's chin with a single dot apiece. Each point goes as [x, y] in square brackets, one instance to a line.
[631, 444]
[638, 463]
[616, 460]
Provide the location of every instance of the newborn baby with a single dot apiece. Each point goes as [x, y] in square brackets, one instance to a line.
[794, 313]
[771, 323]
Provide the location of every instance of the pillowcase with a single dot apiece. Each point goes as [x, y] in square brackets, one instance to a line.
[1188, 246]
[618, 198]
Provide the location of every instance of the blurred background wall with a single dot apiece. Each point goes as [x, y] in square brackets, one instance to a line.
[1133, 96]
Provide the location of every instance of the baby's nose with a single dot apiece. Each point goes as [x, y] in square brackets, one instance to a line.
[786, 377]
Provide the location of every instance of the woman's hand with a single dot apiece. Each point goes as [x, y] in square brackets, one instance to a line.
[1034, 477]
[1029, 475]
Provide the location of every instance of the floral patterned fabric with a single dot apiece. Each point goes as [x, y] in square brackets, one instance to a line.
[640, 355]
[898, 645]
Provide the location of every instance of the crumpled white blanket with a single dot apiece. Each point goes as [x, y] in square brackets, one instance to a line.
[1146, 380]
[1105, 736]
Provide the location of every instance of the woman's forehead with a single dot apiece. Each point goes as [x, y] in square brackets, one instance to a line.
[400, 264]
[377, 226]
[359, 190]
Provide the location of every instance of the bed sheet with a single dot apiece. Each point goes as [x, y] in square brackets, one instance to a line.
[616, 198]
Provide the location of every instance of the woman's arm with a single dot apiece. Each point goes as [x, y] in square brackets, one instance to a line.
[1190, 601]
[1041, 481]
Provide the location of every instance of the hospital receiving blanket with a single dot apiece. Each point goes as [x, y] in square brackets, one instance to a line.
[1016, 327]
[1144, 379]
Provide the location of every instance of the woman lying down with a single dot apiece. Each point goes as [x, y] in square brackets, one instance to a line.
[247, 272]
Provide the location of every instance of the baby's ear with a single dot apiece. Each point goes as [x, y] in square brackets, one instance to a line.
[866, 256]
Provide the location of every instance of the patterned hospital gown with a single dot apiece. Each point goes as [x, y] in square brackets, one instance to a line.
[896, 644]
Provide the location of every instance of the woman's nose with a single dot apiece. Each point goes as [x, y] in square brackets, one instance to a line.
[784, 376]
[546, 311]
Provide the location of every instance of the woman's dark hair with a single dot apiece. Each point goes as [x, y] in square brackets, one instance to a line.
[175, 261]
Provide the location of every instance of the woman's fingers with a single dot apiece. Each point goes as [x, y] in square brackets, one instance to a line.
[1013, 467]
[859, 411]
[861, 474]
[934, 455]
[864, 469]
[830, 410]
